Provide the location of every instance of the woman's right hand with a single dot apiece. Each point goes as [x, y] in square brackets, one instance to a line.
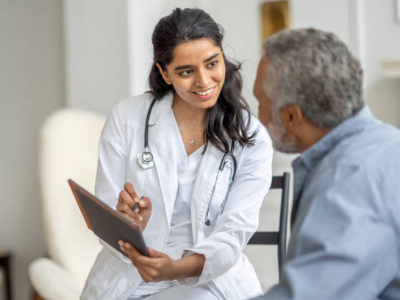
[127, 199]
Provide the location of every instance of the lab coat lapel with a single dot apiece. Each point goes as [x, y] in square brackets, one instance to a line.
[202, 189]
[163, 145]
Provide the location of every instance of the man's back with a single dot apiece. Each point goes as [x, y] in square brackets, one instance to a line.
[346, 230]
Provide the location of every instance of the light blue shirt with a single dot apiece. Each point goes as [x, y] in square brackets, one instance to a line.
[345, 239]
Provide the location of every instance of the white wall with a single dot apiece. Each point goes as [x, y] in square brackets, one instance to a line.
[95, 34]
[382, 41]
[323, 14]
[31, 86]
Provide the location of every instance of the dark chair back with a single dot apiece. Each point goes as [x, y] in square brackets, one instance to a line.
[277, 237]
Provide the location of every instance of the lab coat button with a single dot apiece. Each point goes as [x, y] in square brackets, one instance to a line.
[228, 294]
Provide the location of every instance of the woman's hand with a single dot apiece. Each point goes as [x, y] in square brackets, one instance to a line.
[160, 267]
[157, 267]
[127, 199]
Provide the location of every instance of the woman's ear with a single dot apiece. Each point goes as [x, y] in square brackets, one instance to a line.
[164, 74]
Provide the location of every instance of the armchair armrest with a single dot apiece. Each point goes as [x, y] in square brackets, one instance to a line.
[51, 282]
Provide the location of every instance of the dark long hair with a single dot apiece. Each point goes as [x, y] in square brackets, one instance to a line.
[225, 119]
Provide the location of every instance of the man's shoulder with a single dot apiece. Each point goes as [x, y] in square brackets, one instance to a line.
[358, 178]
[363, 165]
[376, 145]
[364, 160]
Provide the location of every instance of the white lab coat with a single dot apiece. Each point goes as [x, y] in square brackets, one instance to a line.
[226, 268]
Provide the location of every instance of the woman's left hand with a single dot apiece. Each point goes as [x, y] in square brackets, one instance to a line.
[157, 267]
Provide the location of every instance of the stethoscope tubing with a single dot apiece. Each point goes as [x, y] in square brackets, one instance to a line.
[224, 161]
[146, 129]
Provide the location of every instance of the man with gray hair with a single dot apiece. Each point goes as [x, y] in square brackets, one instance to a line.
[345, 223]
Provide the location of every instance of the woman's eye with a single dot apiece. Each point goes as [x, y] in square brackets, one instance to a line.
[212, 64]
[186, 73]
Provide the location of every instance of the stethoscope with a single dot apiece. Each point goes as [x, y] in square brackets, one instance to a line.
[145, 158]
[224, 161]
[146, 161]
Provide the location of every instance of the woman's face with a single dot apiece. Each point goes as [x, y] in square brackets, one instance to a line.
[197, 72]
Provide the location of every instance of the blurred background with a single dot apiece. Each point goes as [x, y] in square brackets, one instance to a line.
[89, 54]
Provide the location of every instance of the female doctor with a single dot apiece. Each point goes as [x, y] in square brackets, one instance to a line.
[197, 164]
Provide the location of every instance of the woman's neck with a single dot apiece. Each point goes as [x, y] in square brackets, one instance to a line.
[190, 120]
[190, 115]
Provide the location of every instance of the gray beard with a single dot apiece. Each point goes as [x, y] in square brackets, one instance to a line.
[281, 140]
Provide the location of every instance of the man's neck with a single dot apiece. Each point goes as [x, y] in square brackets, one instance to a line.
[310, 135]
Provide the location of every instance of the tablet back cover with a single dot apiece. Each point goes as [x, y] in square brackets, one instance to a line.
[106, 223]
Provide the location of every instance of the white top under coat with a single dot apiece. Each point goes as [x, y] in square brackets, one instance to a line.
[180, 234]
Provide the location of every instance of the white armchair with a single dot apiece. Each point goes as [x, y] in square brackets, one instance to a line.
[67, 149]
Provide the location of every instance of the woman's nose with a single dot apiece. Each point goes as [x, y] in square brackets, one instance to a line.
[202, 79]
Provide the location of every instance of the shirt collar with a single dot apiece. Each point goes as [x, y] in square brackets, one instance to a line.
[348, 127]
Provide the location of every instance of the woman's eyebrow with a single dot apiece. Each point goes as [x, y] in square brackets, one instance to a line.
[211, 57]
[191, 66]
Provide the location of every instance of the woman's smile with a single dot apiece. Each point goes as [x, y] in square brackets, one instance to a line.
[205, 94]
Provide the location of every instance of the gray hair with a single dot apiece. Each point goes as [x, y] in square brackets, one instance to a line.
[314, 70]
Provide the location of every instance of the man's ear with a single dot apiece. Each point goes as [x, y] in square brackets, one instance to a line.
[292, 118]
[164, 74]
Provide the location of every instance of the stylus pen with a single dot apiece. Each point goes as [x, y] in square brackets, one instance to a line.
[136, 205]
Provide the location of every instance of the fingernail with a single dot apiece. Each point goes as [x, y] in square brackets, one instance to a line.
[136, 210]
[136, 199]
[141, 202]
[120, 243]
[140, 218]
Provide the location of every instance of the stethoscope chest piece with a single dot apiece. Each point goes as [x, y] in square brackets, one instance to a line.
[145, 159]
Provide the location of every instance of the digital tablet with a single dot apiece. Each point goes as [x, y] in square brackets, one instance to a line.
[108, 224]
